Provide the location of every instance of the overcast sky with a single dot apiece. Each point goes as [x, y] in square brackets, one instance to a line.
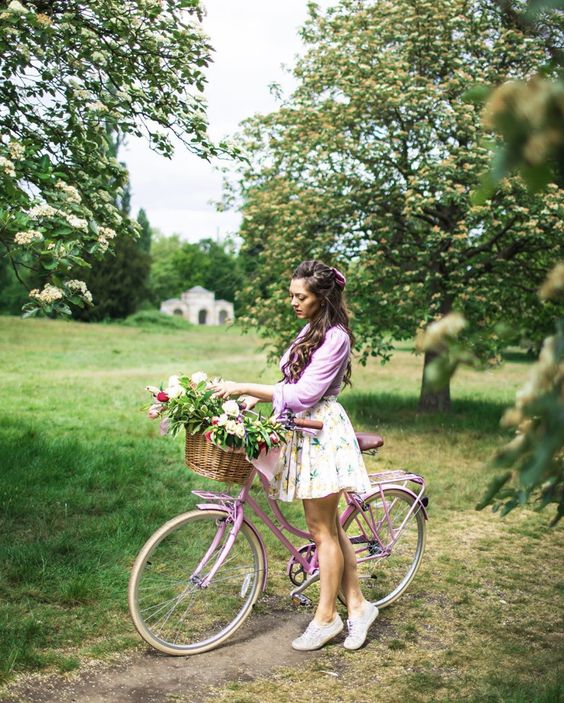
[251, 38]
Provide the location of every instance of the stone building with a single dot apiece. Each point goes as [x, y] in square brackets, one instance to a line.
[199, 306]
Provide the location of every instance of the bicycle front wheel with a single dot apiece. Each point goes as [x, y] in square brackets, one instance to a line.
[388, 536]
[171, 603]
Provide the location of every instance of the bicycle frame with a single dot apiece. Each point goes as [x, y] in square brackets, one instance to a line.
[234, 509]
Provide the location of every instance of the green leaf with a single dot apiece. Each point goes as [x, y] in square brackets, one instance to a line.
[49, 264]
[493, 489]
[477, 94]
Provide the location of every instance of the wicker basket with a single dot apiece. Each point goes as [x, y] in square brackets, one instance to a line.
[208, 460]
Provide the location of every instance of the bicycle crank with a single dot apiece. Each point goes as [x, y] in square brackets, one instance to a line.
[300, 599]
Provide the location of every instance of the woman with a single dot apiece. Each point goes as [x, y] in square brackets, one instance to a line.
[316, 468]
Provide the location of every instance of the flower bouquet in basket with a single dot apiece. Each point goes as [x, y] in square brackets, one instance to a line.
[226, 427]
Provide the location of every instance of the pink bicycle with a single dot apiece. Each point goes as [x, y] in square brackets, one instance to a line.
[195, 581]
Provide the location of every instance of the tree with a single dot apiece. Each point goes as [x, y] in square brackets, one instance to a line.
[146, 231]
[177, 266]
[118, 283]
[68, 70]
[371, 163]
[529, 114]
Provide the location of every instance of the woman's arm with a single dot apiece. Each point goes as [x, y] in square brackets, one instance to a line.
[317, 377]
[250, 401]
[226, 389]
[326, 363]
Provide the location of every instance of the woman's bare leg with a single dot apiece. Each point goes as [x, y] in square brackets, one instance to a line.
[350, 583]
[321, 519]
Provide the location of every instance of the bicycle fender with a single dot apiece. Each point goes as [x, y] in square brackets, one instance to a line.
[223, 509]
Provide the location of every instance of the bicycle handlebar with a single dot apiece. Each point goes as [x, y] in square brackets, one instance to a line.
[310, 424]
[291, 422]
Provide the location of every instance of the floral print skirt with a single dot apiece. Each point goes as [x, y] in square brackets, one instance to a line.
[316, 465]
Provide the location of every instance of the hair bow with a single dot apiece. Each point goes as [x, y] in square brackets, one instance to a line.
[340, 280]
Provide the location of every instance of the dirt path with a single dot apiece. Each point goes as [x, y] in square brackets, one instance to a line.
[261, 645]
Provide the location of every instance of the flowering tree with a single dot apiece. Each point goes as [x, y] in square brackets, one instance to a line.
[533, 461]
[529, 113]
[371, 164]
[68, 70]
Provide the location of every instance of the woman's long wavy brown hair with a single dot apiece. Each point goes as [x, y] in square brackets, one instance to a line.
[320, 280]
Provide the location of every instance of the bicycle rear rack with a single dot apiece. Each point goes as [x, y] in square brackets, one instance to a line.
[223, 498]
[403, 478]
[383, 477]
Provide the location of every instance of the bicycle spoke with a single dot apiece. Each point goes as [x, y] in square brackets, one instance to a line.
[388, 537]
[170, 608]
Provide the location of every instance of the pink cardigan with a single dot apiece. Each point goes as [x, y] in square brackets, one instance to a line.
[321, 377]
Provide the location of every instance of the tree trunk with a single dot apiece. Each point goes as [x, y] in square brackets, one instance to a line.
[431, 400]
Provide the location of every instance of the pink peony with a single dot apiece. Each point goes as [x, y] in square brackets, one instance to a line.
[208, 435]
[164, 426]
[274, 438]
[154, 411]
[162, 397]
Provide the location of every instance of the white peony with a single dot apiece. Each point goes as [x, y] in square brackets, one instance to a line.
[223, 419]
[198, 377]
[230, 407]
[231, 426]
[174, 388]
[240, 430]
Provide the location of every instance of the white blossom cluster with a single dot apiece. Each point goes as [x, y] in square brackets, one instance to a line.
[17, 7]
[27, 237]
[72, 194]
[553, 287]
[40, 211]
[76, 222]
[97, 106]
[16, 150]
[545, 375]
[105, 234]
[448, 327]
[7, 166]
[80, 287]
[48, 295]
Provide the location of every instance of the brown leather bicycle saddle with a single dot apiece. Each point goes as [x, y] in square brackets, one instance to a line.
[369, 440]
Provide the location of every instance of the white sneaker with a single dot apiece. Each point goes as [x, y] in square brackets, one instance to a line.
[315, 636]
[358, 627]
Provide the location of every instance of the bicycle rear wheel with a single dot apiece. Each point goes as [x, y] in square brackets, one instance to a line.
[384, 578]
[170, 606]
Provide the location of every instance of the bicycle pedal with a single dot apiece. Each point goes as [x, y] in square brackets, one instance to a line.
[300, 599]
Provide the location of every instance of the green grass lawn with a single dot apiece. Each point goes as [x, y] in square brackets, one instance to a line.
[86, 478]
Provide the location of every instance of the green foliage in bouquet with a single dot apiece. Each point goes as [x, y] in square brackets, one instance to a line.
[188, 402]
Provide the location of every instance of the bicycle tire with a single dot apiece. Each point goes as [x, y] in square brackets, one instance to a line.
[168, 606]
[383, 579]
